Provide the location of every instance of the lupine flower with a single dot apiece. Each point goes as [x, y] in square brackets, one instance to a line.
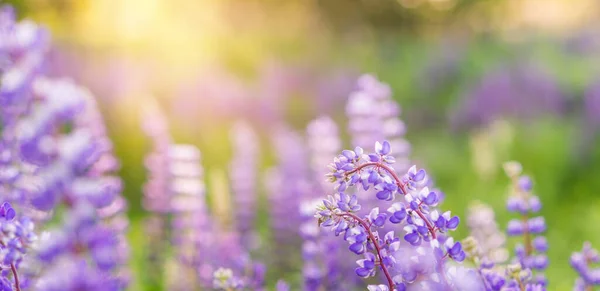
[157, 188]
[111, 206]
[16, 238]
[287, 184]
[58, 167]
[224, 280]
[531, 253]
[190, 217]
[323, 142]
[424, 223]
[373, 116]
[243, 173]
[22, 51]
[92, 231]
[282, 286]
[312, 248]
[484, 229]
[581, 261]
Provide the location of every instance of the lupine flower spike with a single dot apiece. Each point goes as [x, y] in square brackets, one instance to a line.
[531, 253]
[424, 223]
[581, 262]
[16, 238]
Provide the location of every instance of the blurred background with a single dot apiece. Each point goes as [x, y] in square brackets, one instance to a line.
[480, 82]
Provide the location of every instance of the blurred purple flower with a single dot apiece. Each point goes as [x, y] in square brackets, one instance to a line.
[523, 92]
[287, 184]
[60, 158]
[581, 261]
[243, 171]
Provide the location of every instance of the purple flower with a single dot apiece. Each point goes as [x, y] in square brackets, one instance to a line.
[71, 170]
[581, 262]
[484, 230]
[531, 255]
[15, 241]
[323, 142]
[373, 116]
[243, 173]
[520, 91]
[423, 222]
[288, 184]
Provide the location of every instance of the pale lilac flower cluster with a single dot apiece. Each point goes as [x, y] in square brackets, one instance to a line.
[373, 116]
[157, 188]
[243, 174]
[192, 228]
[484, 229]
[16, 238]
[287, 183]
[323, 141]
[581, 262]
[312, 248]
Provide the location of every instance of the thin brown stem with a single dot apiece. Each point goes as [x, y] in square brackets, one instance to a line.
[519, 281]
[526, 236]
[16, 276]
[524, 219]
[375, 244]
[477, 264]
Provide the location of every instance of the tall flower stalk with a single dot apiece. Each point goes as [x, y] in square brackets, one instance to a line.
[243, 173]
[287, 184]
[157, 189]
[90, 241]
[531, 252]
[373, 116]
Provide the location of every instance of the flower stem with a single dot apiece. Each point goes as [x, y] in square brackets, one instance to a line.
[521, 285]
[524, 219]
[375, 244]
[16, 276]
